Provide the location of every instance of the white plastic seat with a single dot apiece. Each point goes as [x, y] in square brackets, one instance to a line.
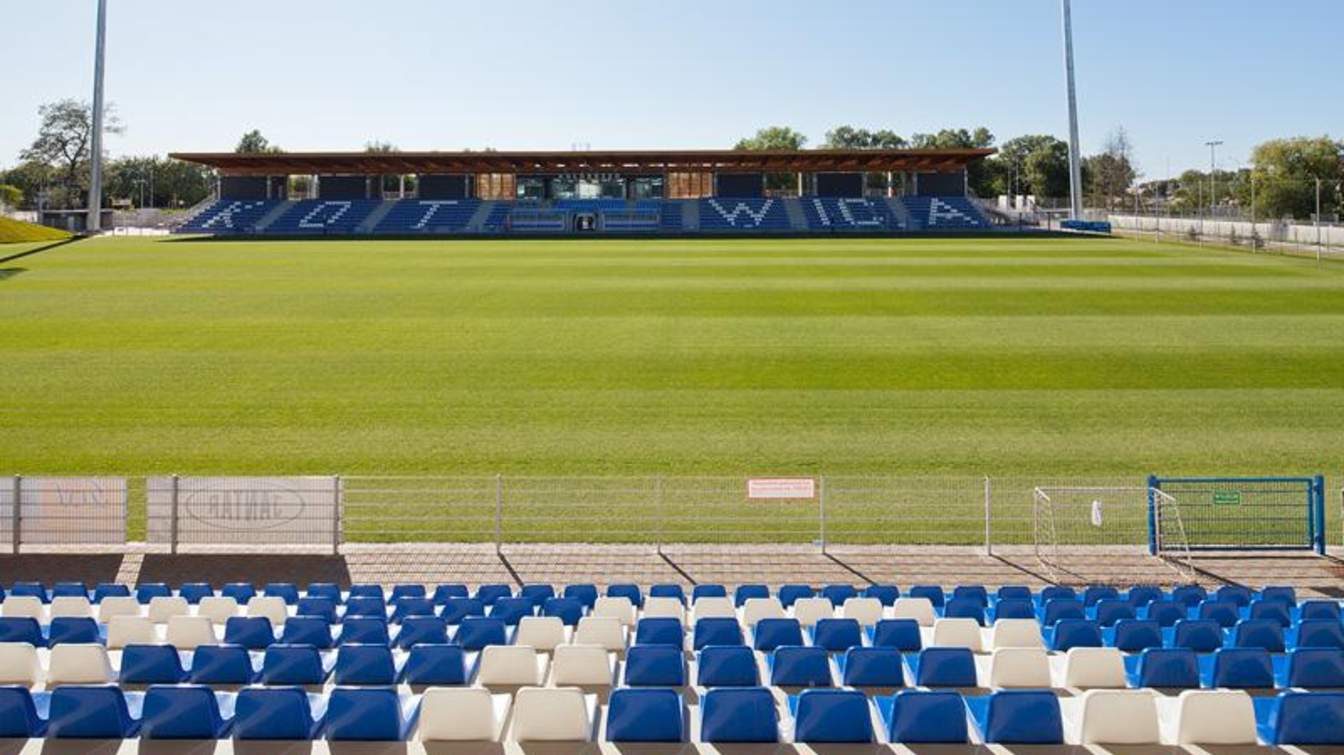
[217, 608]
[618, 607]
[23, 607]
[462, 714]
[712, 608]
[79, 663]
[663, 608]
[120, 605]
[186, 632]
[165, 607]
[130, 630]
[1017, 633]
[551, 714]
[19, 664]
[541, 632]
[510, 665]
[808, 611]
[581, 665]
[1118, 717]
[957, 633]
[1019, 668]
[1215, 717]
[919, 609]
[269, 606]
[755, 609]
[867, 611]
[600, 630]
[1095, 668]
[70, 606]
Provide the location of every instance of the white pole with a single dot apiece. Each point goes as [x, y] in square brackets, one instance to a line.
[1075, 163]
[96, 157]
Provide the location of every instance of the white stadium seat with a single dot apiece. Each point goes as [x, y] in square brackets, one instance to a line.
[1095, 668]
[541, 632]
[618, 607]
[919, 609]
[867, 611]
[217, 608]
[186, 632]
[1215, 717]
[550, 714]
[585, 665]
[511, 665]
[130, 630]
[71, 606]
[1017, 633]
[23, 607]
[78, 663]
[19, 664]
[1019, 668]
[713, 608]
[755, 609]
[957, 633]
[163, 608]
[462, 714]
[1119, 717]
[808, 611]
[600, 630]
[663, 608]
[117, 606]
[269, 606]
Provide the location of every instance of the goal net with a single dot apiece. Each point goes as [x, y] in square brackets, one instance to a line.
[1077, 528]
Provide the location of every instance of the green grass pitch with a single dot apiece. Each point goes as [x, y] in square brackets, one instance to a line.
[617, 357]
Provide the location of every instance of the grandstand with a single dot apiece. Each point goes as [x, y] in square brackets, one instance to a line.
[561, 193]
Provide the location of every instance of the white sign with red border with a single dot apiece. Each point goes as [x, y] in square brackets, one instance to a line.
[781, 488]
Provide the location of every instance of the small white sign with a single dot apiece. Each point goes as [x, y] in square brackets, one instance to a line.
[777, 488]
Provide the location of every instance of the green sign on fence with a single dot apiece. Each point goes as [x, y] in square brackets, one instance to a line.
[1227, 498]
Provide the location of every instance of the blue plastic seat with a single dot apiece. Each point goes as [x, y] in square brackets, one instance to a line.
[110, 590]
[1189, 595]
[885, 594]
[708, 591]
[1174, 668]
[1060, 609]
[655, 666]
[716, 630]
[974, 592]
[365, 631]
[1141, 595]
[901, 634]
[90, 712]
[965, 608]
[221, 664]
[1111, 610]
[476, 632]
[286, 591]
[1094, 594]
[1242, 668]
[31, 590]
[838, 594]
[405, 607]
[1314, 668]
[568, 610]
[324, 590]
[931, 593]
[488, 594]
[252, 632]
[1075, 633]
[307, 630]
[275, 713]
[1199, 635]
[1277, 610]
[435, 665]
[1023, 716]
[584, 593]
[797, 666]
[945, 667]
[872, 667]
[1165, 612]
[72, 629]
[365, 606]
[1320, 633]
[836, 635]
[1259, 633]
[745, 592]
[1306, 718]
[772, 633]
[1057, 592]
[194, 591]
[1319, 609]
[511, 610]
[789, 594]
[292, 664]
[832, 715]
[368, 591]
[1013, 592]
[668, 591]
[19, 718]
[1014, 608]
[182, 712]
[323, 608]
[1237, 595]
[422, 629]
[406, 591]
[646, 715]
[739, 715]
[241, 592]
[443, 592]
[151, 664]
[726, 666]
[148, 591]
[364, 664]
[70, 590]
[454, 610]
[1281, 593]
[1224, 612]
[926, 717]
[375, 715]
[1135, 635]
[21, 629]
[659, 631]
[538, 594]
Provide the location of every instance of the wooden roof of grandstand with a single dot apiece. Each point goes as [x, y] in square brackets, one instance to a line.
[588, 161]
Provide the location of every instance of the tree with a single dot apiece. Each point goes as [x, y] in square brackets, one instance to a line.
[979, 174]
[158, 182]
[64, 140]
[1108, 176]
[253, 143]
[848, 137]
[773, 137]
[10, 195]
[377, 147]
[1035, 164]
[1285, 173]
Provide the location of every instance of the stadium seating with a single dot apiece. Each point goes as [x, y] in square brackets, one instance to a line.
[428, 216]
[944, 213]
[323, 217]
[229, 216]
[848, 214]
[728, 214]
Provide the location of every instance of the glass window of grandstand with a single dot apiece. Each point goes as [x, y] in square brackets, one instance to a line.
[532, 188]
[570, 187]
[648, 187]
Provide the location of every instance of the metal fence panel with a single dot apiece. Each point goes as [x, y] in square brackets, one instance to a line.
[242, 510]
[63, 511]
[419, 509]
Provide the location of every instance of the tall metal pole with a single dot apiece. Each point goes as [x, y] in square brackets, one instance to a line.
[1213, 175]
[94, 222]
[1075, 162]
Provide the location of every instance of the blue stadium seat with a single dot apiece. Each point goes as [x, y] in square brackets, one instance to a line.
[1305, 718]
[1135, 635]
[222, 664]
[275, 713]
[19, 718]
[538, 594]
[726, 666]
[151, 664]
[1075, 633]
[585, 594]
[368, 714]
[974, 592]
[286, 591]
[847, 214]
[789, 594]
[1224, 612]
[368, 591]
[901, 634]
[1013, 592]
[1199, 635]
[723, 214]
[1276, 610]
[655, 666]
[410, 216]
[364, 664]
[1189, 595]
[239, 591]
[1259, 633]
[1315, 668]
[831, 715]
[1320, 633]
[1319, 609]
[70, 590]
[324, 590]
[21, 629]
[568, 610]
[110, 590]
[365, 606]
[511, 610]
[945, 667]
[34, 590]
[708, 591]
[1110, 610]
[454, 610]
[772, 633]
[323, 608]
[366, 631]
[476, 632]
[407, 591]
[965, 608]
[182, 712]
[1165, 612]
[797, 666]
[252, 632]
[716, 631]
[229, 216]
[1094, 594]
[443, 592]
[886, 594]
[744, 592]
[1281, 593]
[1237, 595]
[1141, 595]
[660, 631]
[1056, 592]
[836, 635]
[408, 606]
[1174, 668]
[931, 593]
[925, 717]
[628, 591]
[1242, 668]
[838, 594]
[646, 715]
[872, 667]
[944, 213]
[435, 665]
[90, 712]
[488, 594]
[194, 591]
[1022, 717]
[415, 630]
[1059, 609]
[1014, 608]
[668, 591]
[148, 591]
[307, 630]
[292, 664]
[315, 217]
[739, 715]
[72, 629]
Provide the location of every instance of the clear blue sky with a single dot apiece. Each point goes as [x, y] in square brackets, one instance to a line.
[333, 74]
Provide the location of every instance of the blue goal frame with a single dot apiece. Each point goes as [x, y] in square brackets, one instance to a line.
[1313, 486]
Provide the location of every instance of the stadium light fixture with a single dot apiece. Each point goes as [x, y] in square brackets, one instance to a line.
[1075, 163]
[94, 222]
[1212, 144]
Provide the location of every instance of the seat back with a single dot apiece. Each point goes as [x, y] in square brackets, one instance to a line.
[477, 632]
[1199, 635]
[180, 712]
[616, 607]
[655, 666]
[187, 632]
[567, 610]
[646, 715]
[756, 609]
[117, 605]
[600, 630]
[551, 714]
[364, 664]
[151, 664]
[163, 607]
[292, 664]
[273, 713]
[221, 664]
[371, 714]
[1095, 668]
[98, 712]
[1242, 668]
[1028, 717]
[914, 607]
[217, 608]
[832, 715]
[1025, 668]
[808, 610]
[79, 664]
[1316, 667]
[541, 632]
[743, 593]
[435, 664]
[772, 633]
[424, 629]
[727, 666]
[509, 665]
[796, 666]
[252, 632]
[1017, 633]
[1169, 667]
[946, 667]
[962, 633]
[927, 717]
[70, 606]
[744, 714]
[1215, 717]
[19, 664]
[1136, 635]
[1074, 633]
[1308, 718]
[873, 667]
[72, 629]
[582, 665]
[659, 631]
[458, 714]
[1119, 717]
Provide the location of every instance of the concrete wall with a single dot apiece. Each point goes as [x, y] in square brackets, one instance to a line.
[1276, 231]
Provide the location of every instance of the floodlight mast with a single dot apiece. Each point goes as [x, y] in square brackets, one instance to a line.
[1075, 163]
[94, 222]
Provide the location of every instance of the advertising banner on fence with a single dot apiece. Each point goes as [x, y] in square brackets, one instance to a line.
[65, 510]
[244, 510]
[781, 488]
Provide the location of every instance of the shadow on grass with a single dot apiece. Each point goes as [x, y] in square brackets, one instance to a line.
[43, 248]
[9, 272]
